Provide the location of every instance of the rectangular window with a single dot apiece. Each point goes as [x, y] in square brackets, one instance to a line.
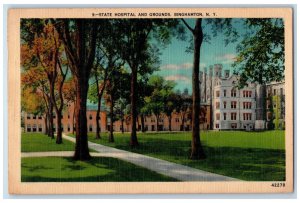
[234, 125]
[224, 104]
[28, 116]
[247, 116]
[28, 128]
[217, 125]
[233, 104]
[34, 117]
[40, 117]
[233, 93]
[217, 105]
[224, 115]
[233, 116]
[217, 116]
[217, 93]
[224, 93]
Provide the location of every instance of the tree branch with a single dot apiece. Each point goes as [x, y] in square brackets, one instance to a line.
[187, 25]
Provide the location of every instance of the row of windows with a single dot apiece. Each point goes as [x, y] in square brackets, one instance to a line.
[233, 126]
[54, 116]
[33, 116]
[246, 116]
[233, 104]
[246, 93]
[40, 129]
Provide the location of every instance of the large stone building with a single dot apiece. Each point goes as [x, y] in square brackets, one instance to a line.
[232, 108]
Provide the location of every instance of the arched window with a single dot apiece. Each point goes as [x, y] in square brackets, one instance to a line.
[91, 128]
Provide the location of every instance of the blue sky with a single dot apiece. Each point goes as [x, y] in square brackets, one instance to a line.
[176, 63]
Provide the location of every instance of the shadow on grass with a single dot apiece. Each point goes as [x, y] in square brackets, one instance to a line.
[98, 169]
[253, 164]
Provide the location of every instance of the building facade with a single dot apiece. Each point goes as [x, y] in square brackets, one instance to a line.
[37, 123]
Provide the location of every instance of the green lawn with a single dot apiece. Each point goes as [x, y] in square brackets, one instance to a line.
[98, 169]
[258, 156]
[39, 142]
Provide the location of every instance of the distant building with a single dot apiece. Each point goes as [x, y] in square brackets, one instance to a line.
[37, 123]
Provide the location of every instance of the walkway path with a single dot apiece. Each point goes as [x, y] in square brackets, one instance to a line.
[180, 172]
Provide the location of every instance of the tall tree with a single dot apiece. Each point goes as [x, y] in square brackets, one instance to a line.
[136, 51]
[79, 37]
[156, 102]
[197, 151]
[40, 50]
[117, 89]
[261, 56]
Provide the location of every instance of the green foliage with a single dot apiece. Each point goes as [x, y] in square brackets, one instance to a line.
[159, 100]
[99, 169]
[261, 54]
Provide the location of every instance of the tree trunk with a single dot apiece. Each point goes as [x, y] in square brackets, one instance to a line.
[157, 123]
[81, 146]
[59, 131]
[122, 123]
[182, 120]
[51, 133]
[133, 97]
[264, 93]
[111, 129]
[73, 117]
[197, 150]
[143, 122]
[170, 122]
[46, 124]
[98, 130]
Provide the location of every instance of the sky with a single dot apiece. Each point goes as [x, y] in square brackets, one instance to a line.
[176, 63]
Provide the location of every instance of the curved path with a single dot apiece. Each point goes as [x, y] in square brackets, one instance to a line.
[180, 172]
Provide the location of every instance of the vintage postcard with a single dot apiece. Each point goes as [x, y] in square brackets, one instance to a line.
[150, 100]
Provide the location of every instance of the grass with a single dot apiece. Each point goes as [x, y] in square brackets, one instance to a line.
[98, 169]
[39, 142]
[255, 156]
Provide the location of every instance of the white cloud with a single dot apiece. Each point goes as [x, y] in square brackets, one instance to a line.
[226, 58]
[183, 66]
[177, 66]
[178, 78]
